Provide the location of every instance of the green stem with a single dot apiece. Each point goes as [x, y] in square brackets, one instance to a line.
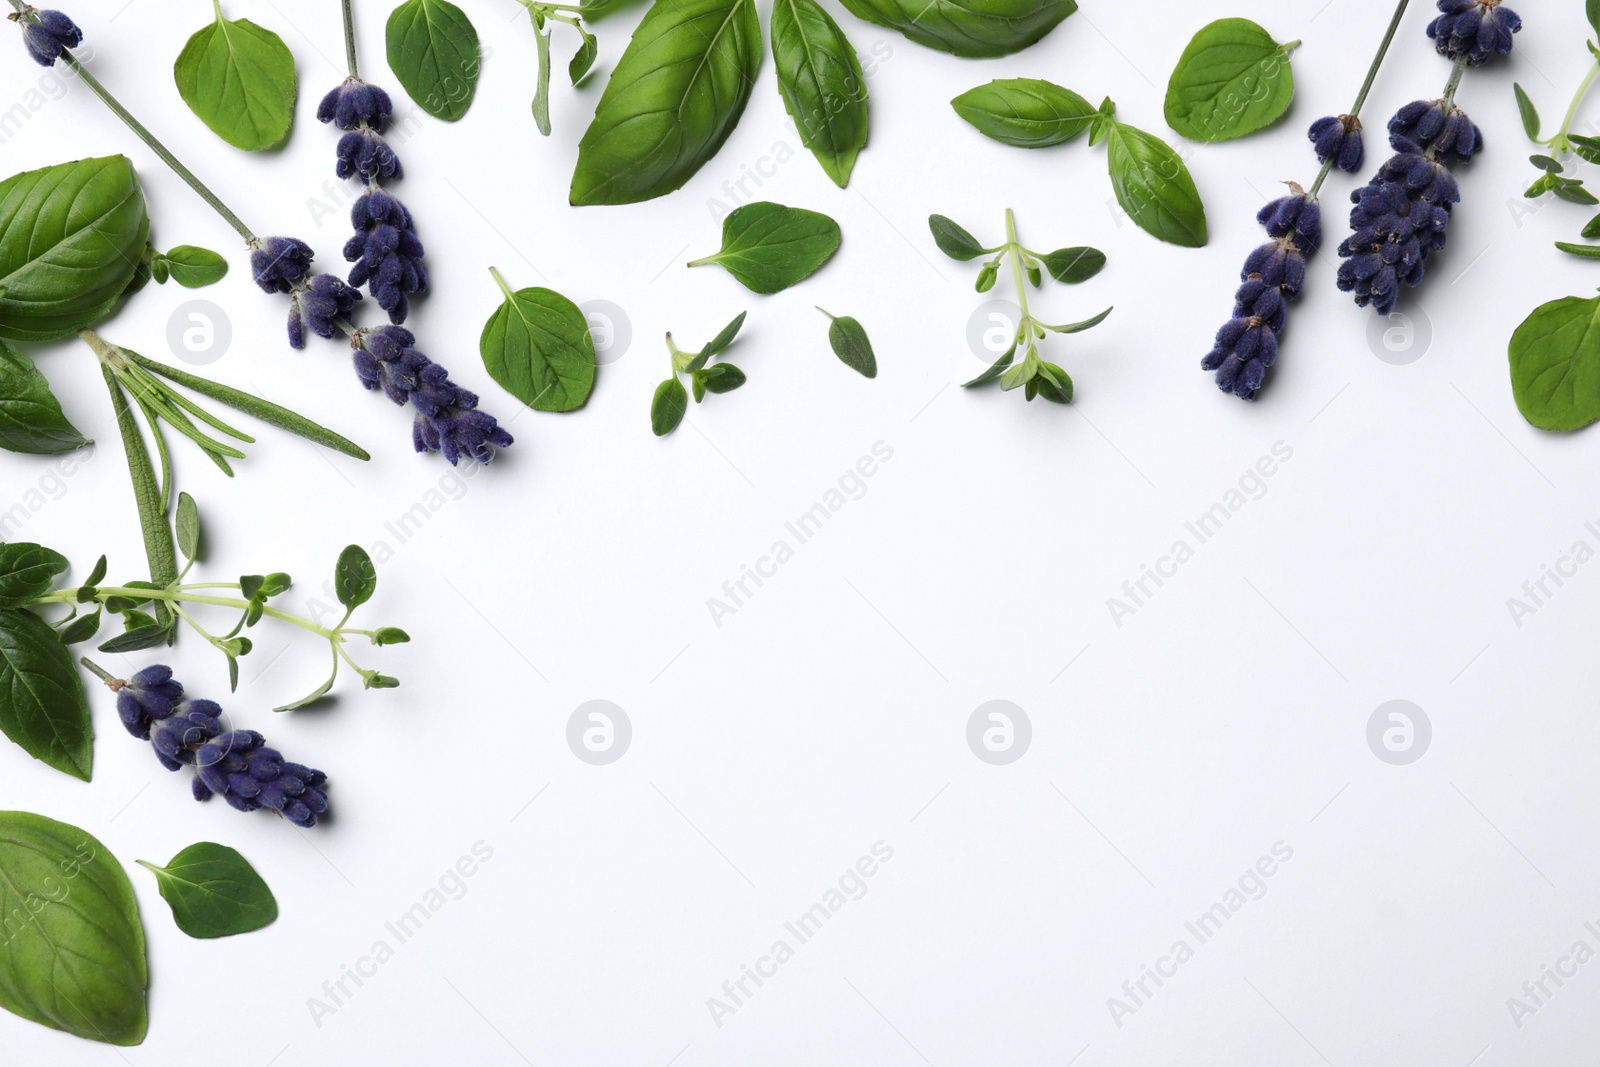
[1377, 60]
[499, 280]
[350, 39]
[158, 547]
[1322, 176]
[161, 450]
[183, 595]
[1454, 83]
[1560, 139]
[1015, 249]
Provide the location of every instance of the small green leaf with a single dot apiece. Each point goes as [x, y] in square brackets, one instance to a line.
[42, 703]
[159, 271]
[1073, 265]
[768, 247]
[1525, 108]
[97, 574]
[1555, 364]
[953, 241]
[584, 57]
[188, 527]
[697, 384]
[987, 274]
[380, 681]
[723, 378]
[537, 345]
[239, 79]
[541, 93]
[1035, 276]
[1233, 79]
[31, 419]
[1588, 148]
[719, 344]
[1581, 251]
[138, 639]
[970, 28]
[214, 892]
[1592, 9]
[433, 51]
[995, 369]
[851, 345]
[1025, 112]
[27, 571]
[316, 694]
[1575, 193]
[1053, 384]
[354, 577]
[1079, 327]
[81, 629]
[275, 583]
[1592, 230]
[1154, 187]
[250, 585]
[195, 268]
[390, 635]
[668, 406]
[1545, 163]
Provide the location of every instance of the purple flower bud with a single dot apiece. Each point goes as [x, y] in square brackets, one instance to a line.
[447, 419]
[353, 104]
[50, 36]
[280, 264]
[1338, 137]
[1478, 29]
[1436, 130]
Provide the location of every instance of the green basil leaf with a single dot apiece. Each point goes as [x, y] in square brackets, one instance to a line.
[1025, 112]
[1555, 364]
[1154, 187]
[214, 892]
[76, 959]
[31, 419]
[1073, 265]
[1233, 79]
[354, 577]
[239, 79]
[159, 272]
[81, 629]
[676, 94]
[195, 268]
[42, 704]
[27, 571]
[851, 345]
[971, 28]
[188, 526]
[537, 346]
[71, 237]
[723, 378]
[667, 407]
[433, 51]
[953, 241]
[769, 247]
[584, 57]
[820, 80]
[1529, 113]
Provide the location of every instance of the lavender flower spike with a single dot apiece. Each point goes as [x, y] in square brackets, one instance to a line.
[53, 34]
[1477, 29]
[448, 419]
[1338, 137]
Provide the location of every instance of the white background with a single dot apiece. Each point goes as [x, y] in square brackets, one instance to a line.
[829, 713]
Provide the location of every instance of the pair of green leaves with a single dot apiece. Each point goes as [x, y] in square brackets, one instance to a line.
[433, 51]
[1555, 364]
[214, 892]
[188, 265]
[1233, 79]
[671, 400]
[239, 79]
[43, 708]
[538, 346]
[769, 247]
[71, 240]
[970, 28]
[1150, 180]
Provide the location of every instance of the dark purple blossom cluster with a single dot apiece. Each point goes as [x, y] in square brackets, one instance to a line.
[1436, 129]
[1338, 137]
[1477, 29]
[233, 764]
[447, 419]
[1400, 219]
[47, 38]
[1273, 276]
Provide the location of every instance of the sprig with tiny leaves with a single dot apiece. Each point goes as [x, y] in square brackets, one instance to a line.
[1562, 145]
[671, 400]
[541, 15]
[1035, 376]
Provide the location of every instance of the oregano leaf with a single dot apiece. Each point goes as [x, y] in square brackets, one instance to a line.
[214, 892]
[239, 79]
[769, 247]
[1233, 79]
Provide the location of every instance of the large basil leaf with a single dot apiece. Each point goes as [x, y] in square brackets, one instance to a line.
[214, 892]
[71, 238]
[1555, 364]
[31, 419]
[769, 247]
[973, 28]
[677, 93]
[73, 954]
[239, 79]
[537, 345]
[820, 80]
[26, 571]
[1025, 112]
[1153, 186]
[433, 50]
[42, 705]
[1231, 80]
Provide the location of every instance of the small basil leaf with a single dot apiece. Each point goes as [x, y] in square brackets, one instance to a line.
[239, 79]
[81, 629]
[1555, 364]
[537, 345]
[31, 419]
[1073, 265]
[675, 95]
[970, 28]
[77, 963]
[188, 527]
[159, 271]
[26, 571]
[1525, 108]
[1154, 187]
[667, 407]
[195, 268]
[42, 704]
[724, 378]
[851, 345]
[584, 57]
[1233, 79]
[820, 80]
[214, 892]
[1025, 112]
[768, 247]
[433, 51]
[380, 681]
[354, 577]
[953, 241]
[390, 635]
[995, 369]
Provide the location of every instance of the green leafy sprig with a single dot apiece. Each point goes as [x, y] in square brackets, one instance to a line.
[671, 400]
[541, 15]
[1562, 145]
[1035, 376]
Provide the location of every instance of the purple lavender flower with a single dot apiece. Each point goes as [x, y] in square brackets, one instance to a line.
[1338, 137]
[53, 34]
[235, 765]
[1436, 129]
[1478, 29]
[1400, 219]
[1273, 276]
[319, 306]
[363, 152]
[280, 264]
[354, 104]
[448, 420]
[386, 253]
